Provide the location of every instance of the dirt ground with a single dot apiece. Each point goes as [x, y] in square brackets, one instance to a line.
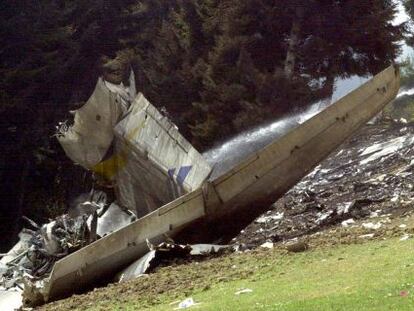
[363, 191]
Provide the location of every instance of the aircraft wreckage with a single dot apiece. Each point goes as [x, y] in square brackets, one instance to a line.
[164, 188]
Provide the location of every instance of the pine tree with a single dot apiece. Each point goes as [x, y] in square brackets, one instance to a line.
[348, 38]
[409, 8]
[251, 71]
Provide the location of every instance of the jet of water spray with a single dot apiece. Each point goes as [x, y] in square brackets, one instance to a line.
[227, 155]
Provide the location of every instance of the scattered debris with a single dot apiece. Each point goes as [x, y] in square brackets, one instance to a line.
[265, 219]
[207, 249]
[113, 219]
[268, 245]
[405, 237]
[40, 248]
[370, 225]
[323, 216]
[138, 268]
[163, 252]
[367, 236]
[150, 260]
[367, 190]
[403, 120]
[384, 149]
[374, 214]
[348, 222]
[25, 268]
[11, 299]
[244, 291]
[187, 303]
[343, 209]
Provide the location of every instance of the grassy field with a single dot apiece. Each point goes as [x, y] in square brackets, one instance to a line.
[339, 271]
[371, 276]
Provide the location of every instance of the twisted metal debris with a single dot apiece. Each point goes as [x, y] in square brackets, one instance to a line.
[24, 268]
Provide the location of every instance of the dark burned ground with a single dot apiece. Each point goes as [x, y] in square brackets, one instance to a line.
[377, 195]
[347, 185]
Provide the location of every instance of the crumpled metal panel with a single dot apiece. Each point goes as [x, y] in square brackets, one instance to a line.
[87, 141]
[138, 268]
[21, 246]
[113, 219]
[162, 252]
[11, 300]
[150, 163]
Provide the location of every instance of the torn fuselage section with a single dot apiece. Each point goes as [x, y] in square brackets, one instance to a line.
[125, 140]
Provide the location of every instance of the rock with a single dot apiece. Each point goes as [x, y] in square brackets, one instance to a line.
[297, 247]
[348, 222]
[268, 245]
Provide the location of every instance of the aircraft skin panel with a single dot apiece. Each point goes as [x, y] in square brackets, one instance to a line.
[88, 139]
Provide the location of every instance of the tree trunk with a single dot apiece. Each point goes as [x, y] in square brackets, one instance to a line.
[293, 44]
[291, 52]
[329, 87]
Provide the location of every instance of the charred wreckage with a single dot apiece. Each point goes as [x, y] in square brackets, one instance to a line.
[164, 190]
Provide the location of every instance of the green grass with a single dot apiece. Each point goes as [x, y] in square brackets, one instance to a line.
[368, 276]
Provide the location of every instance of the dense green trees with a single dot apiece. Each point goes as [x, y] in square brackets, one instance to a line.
[272, 56]
[209, 62]
[409, 8]
[217, 66]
